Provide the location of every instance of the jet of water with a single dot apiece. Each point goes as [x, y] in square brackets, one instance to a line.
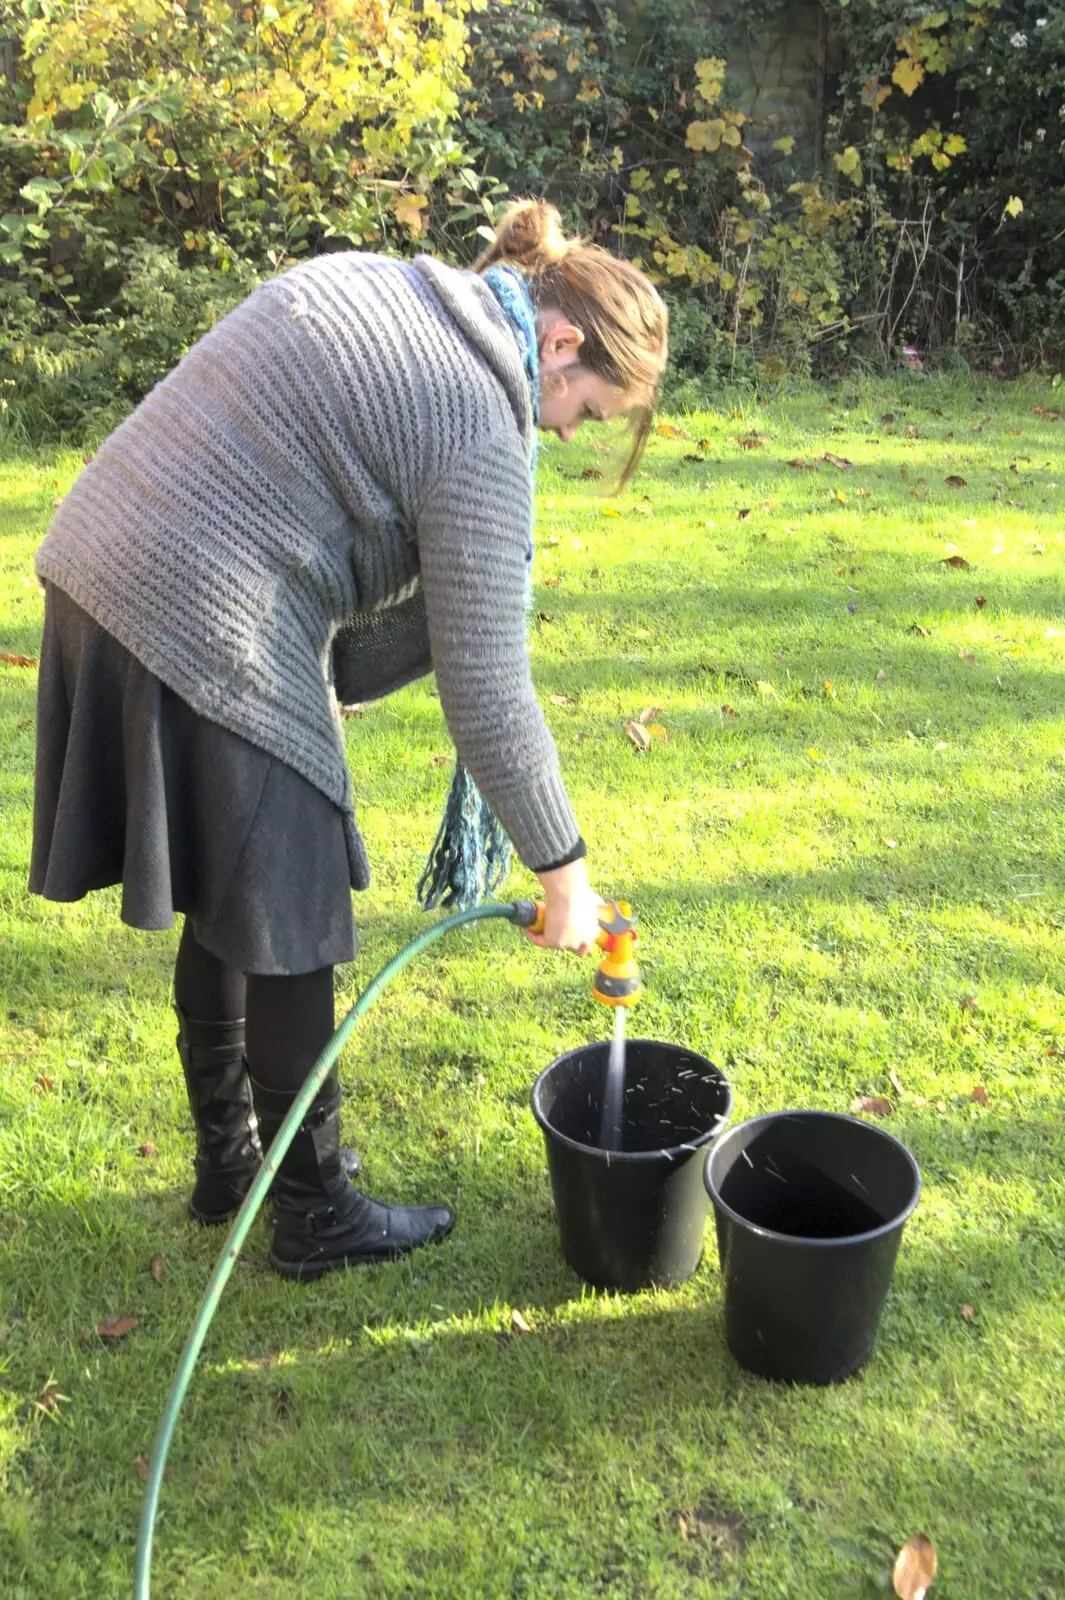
[610, 1128]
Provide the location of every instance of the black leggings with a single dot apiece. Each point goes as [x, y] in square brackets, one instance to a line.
[289, 1020]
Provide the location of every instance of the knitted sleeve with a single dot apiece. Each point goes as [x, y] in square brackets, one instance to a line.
[473, 531]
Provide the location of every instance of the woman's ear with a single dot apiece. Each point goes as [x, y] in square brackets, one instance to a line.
[560, 342]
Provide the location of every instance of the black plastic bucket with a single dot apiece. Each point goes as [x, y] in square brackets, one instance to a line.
[635, 1216]
[810, 1208]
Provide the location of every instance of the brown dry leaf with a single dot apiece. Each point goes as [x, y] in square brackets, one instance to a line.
[888, 419]
[838, 461]
[1050, 412]
[967, 1312]
[873, 1105]
[157, 1268]
[966, 656]
[911, 432]
[666, 430]
[117, 1327]
[518, 1322]
[649, 714]
[439, 761]
[47, 1402]
[545, 618]
[970, 1003]
[956, 561]
[904, 472]
[563, 699]
[981, 600]
[142, 1468]
[915, 627]
[803, 466]
[744, 513]
[16, 661]
[352, 711]
[979, 1094]
[753, 441]
[552, 583]
[639, 735]
[693, 460]
[915, 1568]
[591, 472]
[729, 711]
[43, 1083]
[956, 482]
[146, 1150]
[703, 444]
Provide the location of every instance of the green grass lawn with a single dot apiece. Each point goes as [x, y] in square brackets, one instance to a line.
[848, 859]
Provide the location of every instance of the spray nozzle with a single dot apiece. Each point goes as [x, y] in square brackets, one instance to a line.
[617, 980]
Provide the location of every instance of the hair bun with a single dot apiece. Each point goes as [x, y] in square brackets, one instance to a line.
[530, 235]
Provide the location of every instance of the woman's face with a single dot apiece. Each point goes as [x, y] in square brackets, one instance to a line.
[569, 393]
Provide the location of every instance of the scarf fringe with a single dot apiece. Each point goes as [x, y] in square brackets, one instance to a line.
[470, 857]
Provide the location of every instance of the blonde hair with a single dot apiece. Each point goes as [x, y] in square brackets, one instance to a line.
[624, 321]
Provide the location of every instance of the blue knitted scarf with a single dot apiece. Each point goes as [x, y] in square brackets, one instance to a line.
[471, 855]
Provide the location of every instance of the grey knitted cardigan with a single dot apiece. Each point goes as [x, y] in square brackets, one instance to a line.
[350, 445]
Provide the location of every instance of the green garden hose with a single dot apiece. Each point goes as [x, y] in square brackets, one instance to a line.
[522, 912]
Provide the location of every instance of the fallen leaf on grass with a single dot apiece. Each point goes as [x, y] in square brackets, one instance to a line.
[656, 730]
[563, 699]
[803, 466]
[591, 472]
[970, 1003]
[955, 482]
[666, 430]
[518, 1322]
[439, 761]
[981, 600]
[639, 735]
[49, 1399]
[146, 1150]
[43, 1083]
[829, 688]
[890, 844]
[693, 460]
[881, 676]
[966, 656]
[815, 755]
[611, 511]
[552, 583]
[765, 689]
[17, 661]
[873, 1105]
[545, 618]
[967, 1312]
[352, 711]
[157, 1268]
[729, 711]
[649, 714]
[979, 1094]
[915, 1568]
[1050, 412]
[956, 561]
[841, 497]
[117, 1327]
[744, 513]
[142, 1468]
[838, 461]
[753, 441]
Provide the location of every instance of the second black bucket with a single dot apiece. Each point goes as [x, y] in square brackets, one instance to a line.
[631, 1217]
[810, 1207]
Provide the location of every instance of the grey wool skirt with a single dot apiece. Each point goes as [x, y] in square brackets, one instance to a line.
[134, 787]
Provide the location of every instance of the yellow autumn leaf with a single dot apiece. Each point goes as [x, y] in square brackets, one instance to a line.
[815, 755]
[1014, 206]
[407, 209]
[765, 689]
[711, 75]
[705, 135]
[656, 730]
[785, 145]
[72, 95]
[908, 74]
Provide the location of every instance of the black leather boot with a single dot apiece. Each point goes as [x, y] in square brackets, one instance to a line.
[320, 1222]
[228, 1152]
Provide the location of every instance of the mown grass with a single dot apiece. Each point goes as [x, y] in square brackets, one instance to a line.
[850, 883]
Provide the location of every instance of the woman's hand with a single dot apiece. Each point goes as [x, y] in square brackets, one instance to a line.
[571, 910]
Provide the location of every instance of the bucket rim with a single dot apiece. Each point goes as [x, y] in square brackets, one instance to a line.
[798, 1240]
[612, 1158]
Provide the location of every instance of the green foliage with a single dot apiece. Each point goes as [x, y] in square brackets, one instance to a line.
[156, 158]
